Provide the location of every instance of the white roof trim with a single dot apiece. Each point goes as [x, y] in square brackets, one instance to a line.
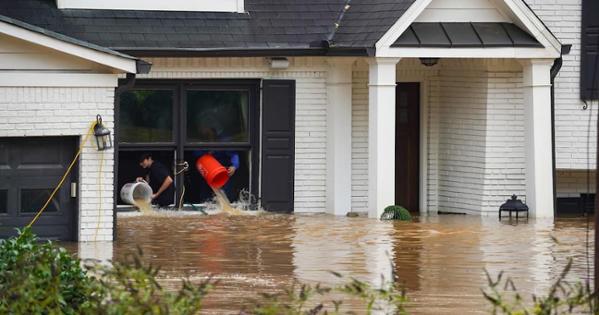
[57, 79]
[521, 11]
[156, 5]
[402, 23]
[118, 63]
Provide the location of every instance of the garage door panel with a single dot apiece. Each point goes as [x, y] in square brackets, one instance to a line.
[51, 232]
[3, 201]
[32, 200]
[32, 168]
[4, 157]
[40, 154]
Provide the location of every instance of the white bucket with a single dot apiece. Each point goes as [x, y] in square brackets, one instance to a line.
[136, 193]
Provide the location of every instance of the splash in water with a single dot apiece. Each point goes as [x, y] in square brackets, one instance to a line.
[246, 205]
[224, 203]
[144, 206]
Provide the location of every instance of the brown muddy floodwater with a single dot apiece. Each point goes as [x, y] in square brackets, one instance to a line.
[440, 259]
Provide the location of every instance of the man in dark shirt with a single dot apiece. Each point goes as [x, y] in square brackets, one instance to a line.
[159, 179]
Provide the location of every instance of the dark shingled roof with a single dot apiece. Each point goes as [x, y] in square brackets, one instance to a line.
[290, 27]
[463, 35]
[268, 25]
[367, 21]
[62, 37]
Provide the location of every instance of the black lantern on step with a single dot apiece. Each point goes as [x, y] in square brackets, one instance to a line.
[102, 134]
[513, 205]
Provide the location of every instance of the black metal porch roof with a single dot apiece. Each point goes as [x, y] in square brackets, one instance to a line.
[466, 35]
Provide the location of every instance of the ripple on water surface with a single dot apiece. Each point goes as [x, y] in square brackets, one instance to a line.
[440, 260]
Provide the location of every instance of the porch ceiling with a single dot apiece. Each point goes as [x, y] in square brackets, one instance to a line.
[465, 35]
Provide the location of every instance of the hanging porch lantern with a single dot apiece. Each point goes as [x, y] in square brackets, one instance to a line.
[429, 62]
[102, 135]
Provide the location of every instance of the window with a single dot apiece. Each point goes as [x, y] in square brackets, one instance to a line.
[589, 70]
[3, 201]
[32, 200]
[178, 121]
[161, 5]
[146, 116]
[129, 169]
[217, 116]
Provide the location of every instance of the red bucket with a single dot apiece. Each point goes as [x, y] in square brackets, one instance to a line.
[215, 174]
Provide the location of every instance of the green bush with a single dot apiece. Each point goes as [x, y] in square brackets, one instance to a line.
[396, 213]
[40, 278]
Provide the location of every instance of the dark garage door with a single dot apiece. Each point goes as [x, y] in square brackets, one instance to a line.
[30, 168]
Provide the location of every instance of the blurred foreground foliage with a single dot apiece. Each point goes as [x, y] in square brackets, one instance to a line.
[563, 297]
[42, 278]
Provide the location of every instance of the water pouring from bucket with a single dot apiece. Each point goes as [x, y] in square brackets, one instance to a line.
[217, 176]
[138, 194]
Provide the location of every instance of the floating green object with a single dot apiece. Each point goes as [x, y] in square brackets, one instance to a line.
[396, 213]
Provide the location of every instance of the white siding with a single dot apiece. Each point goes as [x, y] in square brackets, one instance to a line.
[359, 135]
[480, 145]
[310, 139]
[461, 150]
[504, 160]
[31, 111]
[462, 10]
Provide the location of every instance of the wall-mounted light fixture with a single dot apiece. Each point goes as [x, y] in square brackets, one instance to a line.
[102, 135]
[279, 63]
[429, 62]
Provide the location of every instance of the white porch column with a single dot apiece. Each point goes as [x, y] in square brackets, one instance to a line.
[339, 117]
[537, 126]
[381, 135]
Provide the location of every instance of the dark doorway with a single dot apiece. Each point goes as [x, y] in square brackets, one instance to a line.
[30, 168]
[407, 146]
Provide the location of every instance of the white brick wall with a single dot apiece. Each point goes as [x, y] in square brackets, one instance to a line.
[31, 111]
[563, 17]
[310, 139]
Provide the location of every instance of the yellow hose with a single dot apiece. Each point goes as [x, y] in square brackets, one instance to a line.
[64, 177]
[100, 175]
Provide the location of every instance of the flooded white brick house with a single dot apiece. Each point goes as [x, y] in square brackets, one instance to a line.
[322, 106]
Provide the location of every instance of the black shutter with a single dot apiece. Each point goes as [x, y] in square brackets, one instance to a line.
[278, 145]
[589, 66]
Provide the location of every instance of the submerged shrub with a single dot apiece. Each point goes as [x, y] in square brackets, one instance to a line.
[396, 213]
[40, 278]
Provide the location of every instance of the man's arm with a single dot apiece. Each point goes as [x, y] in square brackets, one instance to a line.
[165, 185]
